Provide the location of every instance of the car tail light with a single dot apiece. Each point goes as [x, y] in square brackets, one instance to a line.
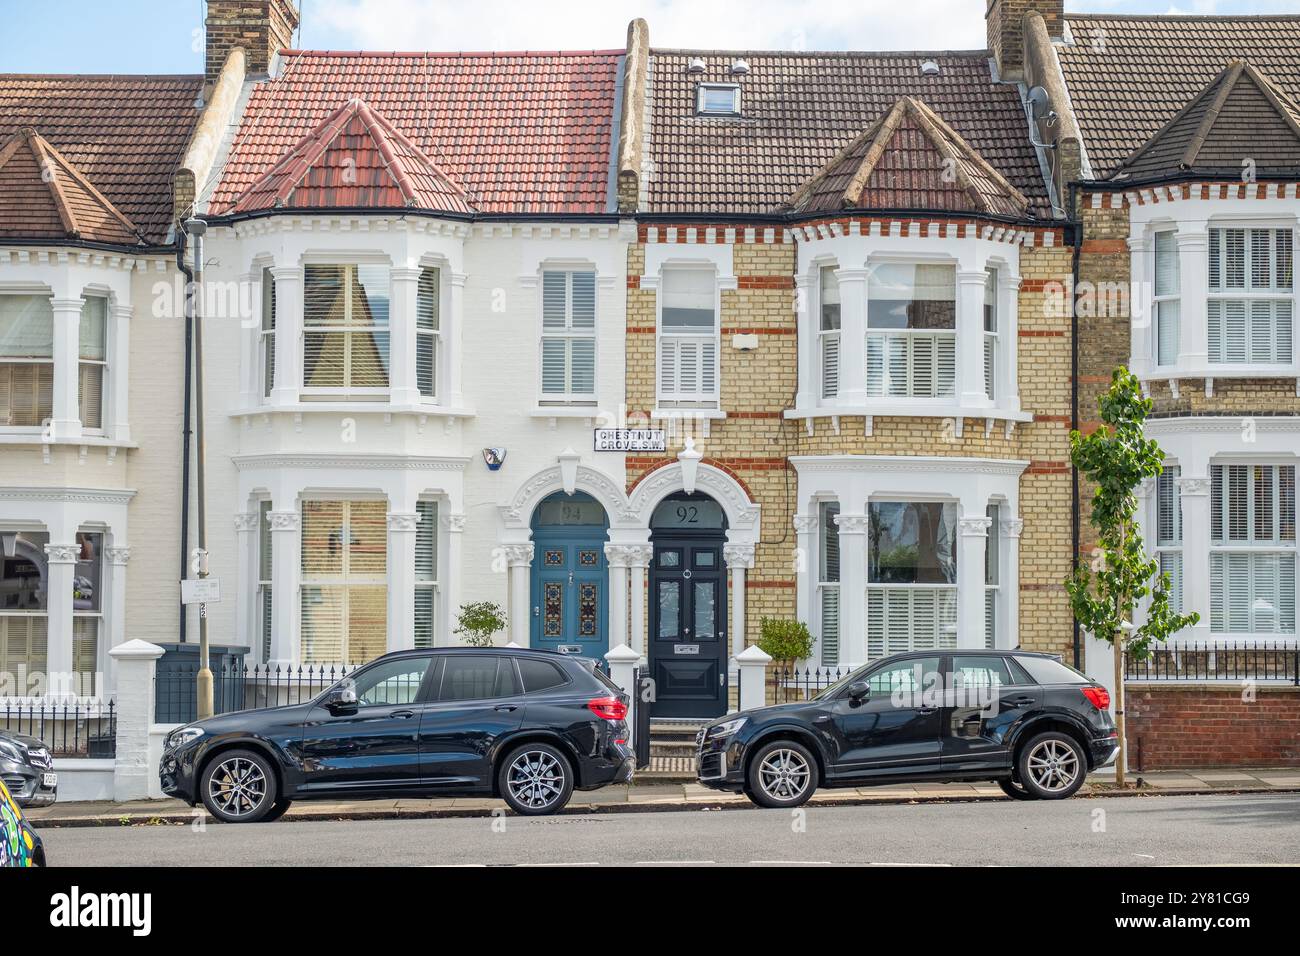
[1099, 696]
[610, 708]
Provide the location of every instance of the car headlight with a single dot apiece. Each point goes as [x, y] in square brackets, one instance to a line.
[179, 738]
[12, 751]
[726, 728]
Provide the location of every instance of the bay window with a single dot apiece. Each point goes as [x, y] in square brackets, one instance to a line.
[829, 331]
[26, 360]
[92, 360]
[828, 585]
[1251, 296]
[568, 337]
[426, 572]
[911, 577]
[345, 328]
[24, 604]
[344, 596]
[428, 332]
[688, 338]
[1167, 307]
[1169, 533]
[911, 330]
[1252, 549]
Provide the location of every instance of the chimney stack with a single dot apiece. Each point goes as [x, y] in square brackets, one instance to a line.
[1005, 20]
[261, 27]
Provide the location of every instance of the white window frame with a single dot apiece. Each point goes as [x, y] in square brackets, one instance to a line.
[1165, 302]
[430, 511]
[992, 339]
[264, 562]
[1226, 547]
[52, 362]
[568, 335]
[885, 340]
[829, 341]
[346, 390]
[705, 88]
[943, 598]
[28, 618]
[346, 579]
[433, 335]
[95, 615]
[1168, 549]
[266, 337]
[1248, 295]
[699, 398]
[829, 652]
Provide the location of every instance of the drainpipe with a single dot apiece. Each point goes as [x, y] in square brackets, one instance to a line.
[186, 426]
[1076, 536]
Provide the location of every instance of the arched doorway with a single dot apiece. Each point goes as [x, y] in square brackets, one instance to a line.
[570, 576]
[688, 607]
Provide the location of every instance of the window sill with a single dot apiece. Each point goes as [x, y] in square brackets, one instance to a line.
[712, 414]
[37, 437]
[1165, 373]
[565, 411]
[355, 408]
[910, 410]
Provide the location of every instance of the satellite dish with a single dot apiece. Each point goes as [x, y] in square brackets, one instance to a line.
[1038, 102]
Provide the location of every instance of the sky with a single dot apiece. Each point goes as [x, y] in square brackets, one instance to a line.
[166, 36]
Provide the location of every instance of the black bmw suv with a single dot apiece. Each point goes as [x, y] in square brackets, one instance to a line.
[1025, 720]
[527, 726]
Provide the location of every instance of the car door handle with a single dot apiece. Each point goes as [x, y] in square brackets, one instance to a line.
[1022, 700]
[926, 710]
[402, 714]
[505, 708]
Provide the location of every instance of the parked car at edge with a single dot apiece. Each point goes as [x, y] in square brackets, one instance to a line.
[27, 769]
[527, 726]
[1024, 720]
[20, 845]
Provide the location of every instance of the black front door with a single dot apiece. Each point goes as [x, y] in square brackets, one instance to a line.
[896, 730]
[688, 627]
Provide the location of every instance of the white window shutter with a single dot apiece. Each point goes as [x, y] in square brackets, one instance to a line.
[830, 365]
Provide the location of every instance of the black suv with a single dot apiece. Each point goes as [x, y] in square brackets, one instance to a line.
[27, 769]
[527, 726]
[1025, 720]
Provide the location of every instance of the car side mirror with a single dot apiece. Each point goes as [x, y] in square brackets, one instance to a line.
[859, 691]
[341, 699]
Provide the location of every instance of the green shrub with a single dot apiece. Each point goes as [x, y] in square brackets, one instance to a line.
[478, 622]
[784, 640]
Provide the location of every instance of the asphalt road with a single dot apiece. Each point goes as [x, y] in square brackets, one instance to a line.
[1128, 831]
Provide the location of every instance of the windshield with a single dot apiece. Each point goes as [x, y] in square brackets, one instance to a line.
[844, 681]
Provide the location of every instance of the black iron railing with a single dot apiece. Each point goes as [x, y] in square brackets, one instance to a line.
[791, 684]
[1277, 661]
[81, 729]
[239, 687]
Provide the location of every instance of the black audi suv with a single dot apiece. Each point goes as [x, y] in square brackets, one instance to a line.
[1025, 720]
[527, 726]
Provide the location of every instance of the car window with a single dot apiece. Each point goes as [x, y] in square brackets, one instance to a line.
[1048, 670]
[392, 682]
[477, 677]
[909, 676]
[981, 671]
[539, 675]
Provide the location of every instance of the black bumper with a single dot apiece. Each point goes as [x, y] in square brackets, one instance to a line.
[1102, 751]
[720, 764]
[615, 766]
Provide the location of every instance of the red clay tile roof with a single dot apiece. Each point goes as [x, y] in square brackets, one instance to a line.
[520, 132]
[1129, 76]
[126, 134]
[355, 159]
[800, 110]
[910, 159]
[1239, 116]
[44, 196]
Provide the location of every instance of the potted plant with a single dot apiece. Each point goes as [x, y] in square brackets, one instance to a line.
[785, 641]
[478, 623]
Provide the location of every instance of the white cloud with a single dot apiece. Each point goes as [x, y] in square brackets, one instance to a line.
[593, 24]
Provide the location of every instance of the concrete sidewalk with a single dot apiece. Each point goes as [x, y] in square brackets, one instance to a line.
[677, 796]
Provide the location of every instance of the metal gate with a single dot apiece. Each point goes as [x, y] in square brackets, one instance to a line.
[644, 696]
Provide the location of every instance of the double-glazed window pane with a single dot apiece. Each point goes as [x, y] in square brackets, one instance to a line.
[1169, 532]
[688, 336]
[1250, 312]
[912, 543]
[92, 356]
[688, 301]
[829, 587]
[915, 297]
[829, 336]
[568, 335]
[266, 337]
[26, 360]
[426, 572]
[428, 326]
[345, 326]
[990, 332]
[344, 593]
[1253, 555]
[1167, 307]
[264, 566]
[911, 337]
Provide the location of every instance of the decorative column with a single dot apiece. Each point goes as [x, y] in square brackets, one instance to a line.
[286, 574]
[61, 560]
[853, 587]
[805, 566]
[288, 335]
[853, 335]
[1194, 491]
[117, 561]
[639, 558]
[449, 578]
[970, 580]
[453, 338]
[1140, 310]
[970, 338]
[117, 416]
[740, 559]
[402, 527]
[402, 385]
[1193, 291]
[1009, 581]
[616, 558]
[519, 560]
[806, 327]
[65, 419]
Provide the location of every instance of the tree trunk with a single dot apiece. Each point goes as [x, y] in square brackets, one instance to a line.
[1122, 760]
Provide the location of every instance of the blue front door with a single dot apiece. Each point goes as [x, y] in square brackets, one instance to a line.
[569, 594]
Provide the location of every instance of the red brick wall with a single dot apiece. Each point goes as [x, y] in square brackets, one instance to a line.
[1207, 726]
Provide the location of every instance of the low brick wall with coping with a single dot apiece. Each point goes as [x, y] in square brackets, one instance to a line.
[1203, 724]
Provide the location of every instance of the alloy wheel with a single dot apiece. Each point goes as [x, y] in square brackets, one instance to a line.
[784, 774]
[1054, 765]
[535, 779]
[237, 787]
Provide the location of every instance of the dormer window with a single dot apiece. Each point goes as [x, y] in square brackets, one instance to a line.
[717, 99]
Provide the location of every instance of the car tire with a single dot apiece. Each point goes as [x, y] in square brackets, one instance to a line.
[782, 774]
[1015, 789]
[536, 780]
[1052, 766]
[280, 808]
[239, 786]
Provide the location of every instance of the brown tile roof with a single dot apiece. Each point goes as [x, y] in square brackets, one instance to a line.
[44, 196]
[126, 134]
[520, 132]
[800, 110]
[1240, 115]
[1128, 76]
[910, 159]
[355, 159]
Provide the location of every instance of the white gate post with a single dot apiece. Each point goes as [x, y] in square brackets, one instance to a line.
[622, 671]
[753, 677]
[133, 770]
